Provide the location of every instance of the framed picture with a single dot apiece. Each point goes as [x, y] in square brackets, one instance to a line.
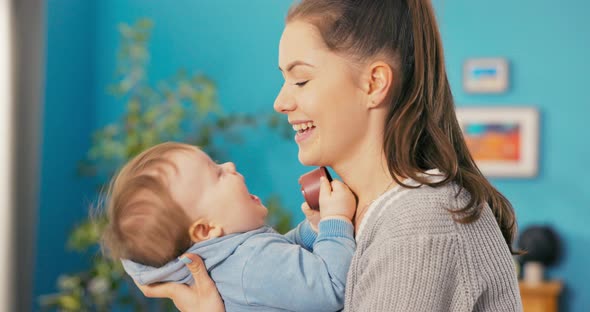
[502, 140]
[485, 75]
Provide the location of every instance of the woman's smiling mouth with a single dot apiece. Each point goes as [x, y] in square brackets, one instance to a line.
[304, 130]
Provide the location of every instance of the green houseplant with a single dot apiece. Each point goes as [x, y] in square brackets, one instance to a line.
[183, 108]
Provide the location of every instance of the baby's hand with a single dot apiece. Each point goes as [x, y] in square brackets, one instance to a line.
[336, 200]
[312, 216]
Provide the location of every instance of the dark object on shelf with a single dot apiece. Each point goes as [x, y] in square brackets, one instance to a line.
[540, 244]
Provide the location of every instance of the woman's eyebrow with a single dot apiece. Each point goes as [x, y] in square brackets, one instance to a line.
[296, 63]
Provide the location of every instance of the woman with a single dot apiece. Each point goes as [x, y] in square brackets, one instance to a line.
[368, 82]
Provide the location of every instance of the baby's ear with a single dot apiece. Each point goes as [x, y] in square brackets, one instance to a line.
[202, 230]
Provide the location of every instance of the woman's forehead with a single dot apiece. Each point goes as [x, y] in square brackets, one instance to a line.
[300, 41]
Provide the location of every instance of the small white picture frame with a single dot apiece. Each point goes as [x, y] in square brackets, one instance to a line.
[485, 75]
[503, 141]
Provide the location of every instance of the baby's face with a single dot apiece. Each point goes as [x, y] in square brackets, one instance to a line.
[216, 192]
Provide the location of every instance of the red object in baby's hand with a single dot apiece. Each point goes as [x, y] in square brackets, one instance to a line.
[310, 186]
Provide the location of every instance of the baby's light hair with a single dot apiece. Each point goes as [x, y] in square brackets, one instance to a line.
[145, 224]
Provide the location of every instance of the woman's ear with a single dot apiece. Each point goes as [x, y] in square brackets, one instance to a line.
[202, 230]
[380, 82]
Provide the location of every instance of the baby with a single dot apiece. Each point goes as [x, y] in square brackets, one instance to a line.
[173, 199]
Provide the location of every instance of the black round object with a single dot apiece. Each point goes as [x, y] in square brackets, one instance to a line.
[540, 244]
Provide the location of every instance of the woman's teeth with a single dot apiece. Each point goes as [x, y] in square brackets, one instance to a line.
[303, 126]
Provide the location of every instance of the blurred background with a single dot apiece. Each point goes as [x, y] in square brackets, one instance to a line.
[86, 84]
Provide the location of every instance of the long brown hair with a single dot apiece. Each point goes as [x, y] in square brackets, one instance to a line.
[421, 130]
[145, 223]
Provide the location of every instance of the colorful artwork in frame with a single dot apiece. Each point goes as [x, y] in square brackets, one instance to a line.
[502, 140]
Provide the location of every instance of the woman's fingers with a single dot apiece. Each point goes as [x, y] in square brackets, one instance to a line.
[201, 296]
[197, 267]
[204, 285]
[166, 290]
[171, 290]
[203, 291]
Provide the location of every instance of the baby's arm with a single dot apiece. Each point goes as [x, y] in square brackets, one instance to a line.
[337, 202]
[296, 278]
[286, 276]
[302, 235]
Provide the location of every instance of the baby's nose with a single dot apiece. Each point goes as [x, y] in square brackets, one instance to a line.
[230, 166]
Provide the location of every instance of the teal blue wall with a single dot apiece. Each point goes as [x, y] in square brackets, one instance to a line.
[237, 50]
[67, 123]
[235, 43]
[547, 44]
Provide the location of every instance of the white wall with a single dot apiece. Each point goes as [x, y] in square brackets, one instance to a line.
[6, 152]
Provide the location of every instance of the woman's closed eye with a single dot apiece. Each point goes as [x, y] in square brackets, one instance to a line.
[301, 83]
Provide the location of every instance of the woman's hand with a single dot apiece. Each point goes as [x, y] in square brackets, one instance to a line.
[202, 296]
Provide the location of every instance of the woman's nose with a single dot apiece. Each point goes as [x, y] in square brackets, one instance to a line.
[284, 103]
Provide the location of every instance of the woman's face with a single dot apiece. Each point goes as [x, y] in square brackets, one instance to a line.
[321, 96]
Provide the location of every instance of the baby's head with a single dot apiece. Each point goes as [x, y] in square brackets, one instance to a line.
[171, 196]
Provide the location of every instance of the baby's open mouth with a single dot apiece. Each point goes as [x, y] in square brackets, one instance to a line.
[255, 198]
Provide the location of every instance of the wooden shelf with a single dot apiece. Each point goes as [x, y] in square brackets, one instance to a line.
[540, 297]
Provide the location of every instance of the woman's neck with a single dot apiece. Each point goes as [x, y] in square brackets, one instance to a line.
[366, 174]
[364, 167]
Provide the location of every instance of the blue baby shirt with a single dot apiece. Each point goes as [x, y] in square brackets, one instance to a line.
[262, 270]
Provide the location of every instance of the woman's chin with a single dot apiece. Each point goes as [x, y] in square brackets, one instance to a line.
[310, 152]
[308, 159]
[314, 154]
